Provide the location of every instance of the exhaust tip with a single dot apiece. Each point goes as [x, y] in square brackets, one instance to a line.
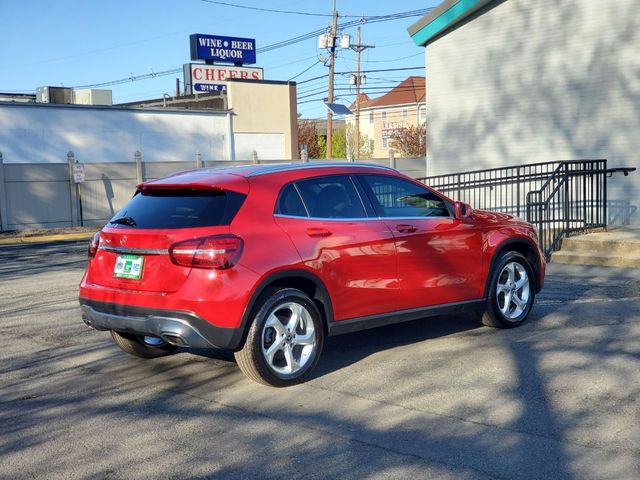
[175, 339]
[87, 322]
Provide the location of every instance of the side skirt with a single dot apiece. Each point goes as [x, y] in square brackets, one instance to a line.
[372, 321]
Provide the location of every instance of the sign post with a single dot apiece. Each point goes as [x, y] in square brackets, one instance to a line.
[78, 173]
[78, 178]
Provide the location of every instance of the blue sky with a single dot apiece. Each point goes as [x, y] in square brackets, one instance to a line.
[75, 43]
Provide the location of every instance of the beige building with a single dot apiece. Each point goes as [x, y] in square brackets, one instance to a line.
[381, 118]
[265, 118]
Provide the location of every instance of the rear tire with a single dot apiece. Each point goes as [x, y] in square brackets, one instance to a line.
[511, 292]
[285, 339]
[137, 346]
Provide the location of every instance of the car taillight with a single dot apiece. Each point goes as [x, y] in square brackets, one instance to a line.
[93, 245]
[218, 251]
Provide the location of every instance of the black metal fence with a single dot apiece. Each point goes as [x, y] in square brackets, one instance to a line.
[572, 200]
[559, 198]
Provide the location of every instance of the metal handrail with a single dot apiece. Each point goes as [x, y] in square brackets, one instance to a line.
[559, 198]
[509, 167]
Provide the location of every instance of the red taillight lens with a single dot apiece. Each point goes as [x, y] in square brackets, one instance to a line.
[93, 245]
[219, 251]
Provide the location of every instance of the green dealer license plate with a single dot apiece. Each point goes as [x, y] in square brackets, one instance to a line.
[128, 266]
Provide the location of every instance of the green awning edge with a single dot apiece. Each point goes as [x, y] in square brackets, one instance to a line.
[443, 21]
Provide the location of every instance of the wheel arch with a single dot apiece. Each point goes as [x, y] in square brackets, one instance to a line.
[302, 280]
[526, 248]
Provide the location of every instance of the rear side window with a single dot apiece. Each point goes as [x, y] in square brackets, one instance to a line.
[179, 209]
[333, 196]
[290, 203]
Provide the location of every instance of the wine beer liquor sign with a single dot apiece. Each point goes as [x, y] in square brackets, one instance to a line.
[214, 48]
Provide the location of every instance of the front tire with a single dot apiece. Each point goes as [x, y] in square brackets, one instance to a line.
[511, 292]
[285, 340]
[143, 347]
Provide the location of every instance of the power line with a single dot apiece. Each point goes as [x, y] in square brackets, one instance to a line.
[267, 9]
[309, 14]
[305, 70]
[349, 88]
[319, 89]
[390, 59]
[274, 46]
[132, 78]
[362, 71]
[369, 86]
[352, 23]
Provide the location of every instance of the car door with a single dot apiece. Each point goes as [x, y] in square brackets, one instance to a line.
[439, 256]
[353, 253]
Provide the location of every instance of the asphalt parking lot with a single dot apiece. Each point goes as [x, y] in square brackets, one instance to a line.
[440, 398]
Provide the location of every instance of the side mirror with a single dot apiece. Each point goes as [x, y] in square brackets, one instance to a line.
[463, 210]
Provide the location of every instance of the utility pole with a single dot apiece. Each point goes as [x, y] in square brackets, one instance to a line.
[358, 47]
[332, 61]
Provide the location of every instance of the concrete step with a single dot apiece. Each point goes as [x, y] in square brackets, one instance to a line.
[585, 244]
[601, 259]
[617, 247]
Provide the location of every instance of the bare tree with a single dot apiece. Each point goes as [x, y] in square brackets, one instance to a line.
[411, 141]
[308, 135]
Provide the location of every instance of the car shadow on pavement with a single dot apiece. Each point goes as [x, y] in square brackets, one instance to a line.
[89, 410]
[344, 350]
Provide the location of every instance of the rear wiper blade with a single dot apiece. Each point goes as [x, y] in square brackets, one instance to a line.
[125, 221]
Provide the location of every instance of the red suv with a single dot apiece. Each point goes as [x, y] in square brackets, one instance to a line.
[268, 260]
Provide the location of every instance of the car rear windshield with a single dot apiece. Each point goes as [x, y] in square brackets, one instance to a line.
[179, 208]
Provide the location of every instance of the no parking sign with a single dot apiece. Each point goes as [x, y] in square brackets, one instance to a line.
[78, 173]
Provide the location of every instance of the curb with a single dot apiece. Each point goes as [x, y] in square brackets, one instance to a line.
[61, 237]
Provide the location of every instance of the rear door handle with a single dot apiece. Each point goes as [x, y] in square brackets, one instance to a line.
[404, 228]
[318, 232]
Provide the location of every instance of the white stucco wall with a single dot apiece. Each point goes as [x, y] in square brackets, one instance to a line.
[268, 146]
[32, 133]
[531, 81]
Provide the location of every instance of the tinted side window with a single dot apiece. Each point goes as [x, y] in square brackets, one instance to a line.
[399, 198]
[290, 203]
[331, 197]
[178, 209]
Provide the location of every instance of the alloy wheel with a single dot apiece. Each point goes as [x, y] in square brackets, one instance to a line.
[288, 339]
[513, 290]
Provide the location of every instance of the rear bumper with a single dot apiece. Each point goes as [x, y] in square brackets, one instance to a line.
[178, 328]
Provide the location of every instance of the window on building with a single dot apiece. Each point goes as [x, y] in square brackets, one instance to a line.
[405, 114]
[422, 114]
[370, 117]
[371, 145]
[384, 143]
[384, 116]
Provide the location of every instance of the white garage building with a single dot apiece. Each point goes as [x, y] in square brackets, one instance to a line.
[519, 81]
